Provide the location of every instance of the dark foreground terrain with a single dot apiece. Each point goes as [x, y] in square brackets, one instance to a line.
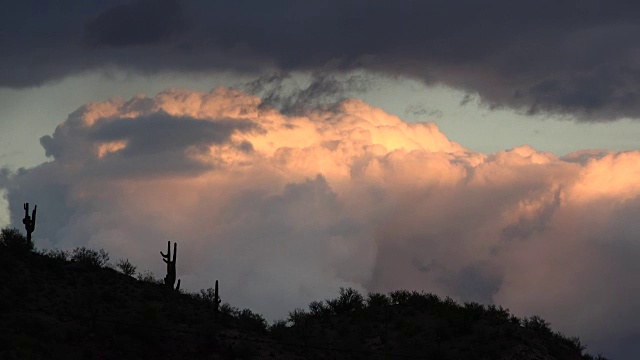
[57, 305]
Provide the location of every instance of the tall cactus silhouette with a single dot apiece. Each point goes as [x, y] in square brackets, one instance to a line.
[29, 221]
[170, 279]
[216, 300]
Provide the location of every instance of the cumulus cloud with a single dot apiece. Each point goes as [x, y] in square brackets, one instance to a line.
[286, 208]
[573, 57]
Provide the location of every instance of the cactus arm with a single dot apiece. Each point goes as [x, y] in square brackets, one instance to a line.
[168, 254]
[33, 218]
[26, 213]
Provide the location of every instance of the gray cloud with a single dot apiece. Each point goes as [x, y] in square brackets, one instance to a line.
[162, 132]
[570, 57]
[278, 90]
[143, 22]
[421, 110]
[156, 142]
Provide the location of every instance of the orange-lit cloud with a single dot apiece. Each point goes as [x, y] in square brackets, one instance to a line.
[284, 209]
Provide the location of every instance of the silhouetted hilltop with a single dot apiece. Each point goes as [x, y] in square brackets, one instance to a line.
[58, 305]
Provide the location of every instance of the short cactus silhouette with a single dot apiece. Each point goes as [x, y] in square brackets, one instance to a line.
[29, 221]
[170, 279]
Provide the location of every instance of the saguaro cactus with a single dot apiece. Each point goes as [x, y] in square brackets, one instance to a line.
[29, 221]
[216, 300]
[170, 279]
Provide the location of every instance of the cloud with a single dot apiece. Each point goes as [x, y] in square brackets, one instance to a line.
[155, 142]
[572, 58]
[143, 22]
[286, 208]
[421, 110]
[279, 90]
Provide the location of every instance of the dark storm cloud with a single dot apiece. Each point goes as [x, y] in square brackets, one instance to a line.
[139, 23]
[564, 57]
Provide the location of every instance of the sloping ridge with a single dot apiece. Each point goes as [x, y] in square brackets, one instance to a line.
[52, 308]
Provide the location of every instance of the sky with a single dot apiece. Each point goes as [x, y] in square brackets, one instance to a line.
[485, 151]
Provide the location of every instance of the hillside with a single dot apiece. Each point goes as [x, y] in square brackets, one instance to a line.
[58, 305]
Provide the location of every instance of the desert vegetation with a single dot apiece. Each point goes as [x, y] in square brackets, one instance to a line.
[76, 304]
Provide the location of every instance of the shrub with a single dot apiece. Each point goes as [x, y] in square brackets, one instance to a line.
[147, 276]
[537, 323]
[349, 300]
[278, 325]
[99, 258]
[475, 310]
[252, 321]
[298, 317]
[319, 309]
[14, 241]
[208, 296]
[400, 297]
[377, 300]
[278, 329]
[126, 267]
[227, 309]
[577, 344]
[56, 254]
[499, 313]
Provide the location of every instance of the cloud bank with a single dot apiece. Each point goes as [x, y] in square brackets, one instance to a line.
[284, 209]
[572, 57]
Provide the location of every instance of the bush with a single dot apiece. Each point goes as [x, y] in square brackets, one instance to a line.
[278, 329]
[92, 257]
[147, 276]
[229, 310]
[126, 267]
[319, 309]
[252, 321]
[537, 323]
[56, 254]
[208, 296]
[499, 313]
[14, 241]
[278, 325]
[349, 300]
[298, 317]
[377, 300]
[400, 297]
[577, 344]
